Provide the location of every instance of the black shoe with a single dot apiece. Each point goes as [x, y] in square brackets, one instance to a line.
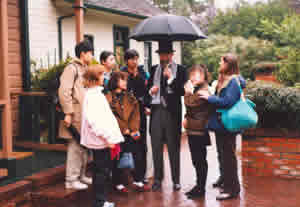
[156, 186]
[176, 187]
[219, 183]
[193, 190]
[196, 192]
[226, 196]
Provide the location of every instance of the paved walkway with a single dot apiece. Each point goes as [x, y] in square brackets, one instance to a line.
[255, 192]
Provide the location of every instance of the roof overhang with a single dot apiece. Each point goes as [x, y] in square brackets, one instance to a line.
[109, 10]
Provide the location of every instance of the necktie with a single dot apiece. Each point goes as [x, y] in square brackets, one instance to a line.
[163, 88]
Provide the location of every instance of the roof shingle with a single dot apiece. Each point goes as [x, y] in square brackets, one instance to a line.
[138, 7]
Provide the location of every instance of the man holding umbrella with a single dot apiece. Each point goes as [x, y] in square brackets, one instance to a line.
[166, 86]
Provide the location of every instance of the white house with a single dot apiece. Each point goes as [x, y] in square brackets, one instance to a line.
[107, 23]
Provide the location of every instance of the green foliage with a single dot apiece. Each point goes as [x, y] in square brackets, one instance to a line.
[250, 51]
[286, 37]
[41, 77]
[246, 20]
[284, 33]
[277, 106]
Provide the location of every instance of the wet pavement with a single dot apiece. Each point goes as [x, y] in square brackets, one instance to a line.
[255, 191]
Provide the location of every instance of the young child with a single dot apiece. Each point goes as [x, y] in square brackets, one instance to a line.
[126, 109]
[100, 132]
[196, 118]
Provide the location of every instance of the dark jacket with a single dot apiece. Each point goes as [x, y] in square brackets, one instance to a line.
[173, 100]
[197, 114]
[137, 85]
[225, 98]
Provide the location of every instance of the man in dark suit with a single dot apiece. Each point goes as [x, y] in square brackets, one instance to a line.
[165, 88]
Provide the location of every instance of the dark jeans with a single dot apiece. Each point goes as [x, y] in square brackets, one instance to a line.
[198, 152]
[101, 175]
[226, 146]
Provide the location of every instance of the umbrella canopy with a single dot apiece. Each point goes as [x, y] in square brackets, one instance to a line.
[166, 27]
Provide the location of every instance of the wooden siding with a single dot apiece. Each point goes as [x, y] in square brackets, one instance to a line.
[14, 58]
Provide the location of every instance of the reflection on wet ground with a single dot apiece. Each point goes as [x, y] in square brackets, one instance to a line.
[255, 192]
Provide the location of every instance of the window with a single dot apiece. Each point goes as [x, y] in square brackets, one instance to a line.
[121, 42]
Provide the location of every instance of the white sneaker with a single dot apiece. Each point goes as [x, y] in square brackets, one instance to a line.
[86, 180]
[76, 185]
[108, 204]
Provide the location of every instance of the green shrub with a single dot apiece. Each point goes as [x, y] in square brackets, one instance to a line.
[246, 20]
[250, 51]
[277, 106]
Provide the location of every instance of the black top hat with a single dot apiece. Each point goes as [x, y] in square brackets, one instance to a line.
[165, 47]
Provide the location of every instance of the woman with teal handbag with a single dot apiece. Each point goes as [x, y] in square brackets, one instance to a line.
[227, 94]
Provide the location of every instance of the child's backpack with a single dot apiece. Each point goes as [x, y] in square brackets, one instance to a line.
[54, 84]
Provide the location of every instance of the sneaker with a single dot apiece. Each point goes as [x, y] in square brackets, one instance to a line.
[122, 189]
[86, 180]
[108, 204]
[76, 185]
[141, 187]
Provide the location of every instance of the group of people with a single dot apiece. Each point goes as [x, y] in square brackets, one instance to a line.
[109, 109]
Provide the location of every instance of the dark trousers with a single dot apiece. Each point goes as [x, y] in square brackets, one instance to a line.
[101, 175]
[220, 160]
[164, 127]
[226, 144]
[198, 153]
[140, 149]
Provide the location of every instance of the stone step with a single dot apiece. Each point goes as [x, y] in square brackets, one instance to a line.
[14, 194]
[57, 195]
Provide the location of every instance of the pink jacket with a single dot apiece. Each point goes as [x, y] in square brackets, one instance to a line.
[99, 125]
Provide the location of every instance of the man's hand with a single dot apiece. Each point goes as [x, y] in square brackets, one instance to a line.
[167, 72]
[154, 90]
[68, 120]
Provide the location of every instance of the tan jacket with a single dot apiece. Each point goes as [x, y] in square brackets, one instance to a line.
[197, 113]
[71, 94]
[127, 114]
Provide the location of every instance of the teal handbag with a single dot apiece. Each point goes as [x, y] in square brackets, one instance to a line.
[240, 116]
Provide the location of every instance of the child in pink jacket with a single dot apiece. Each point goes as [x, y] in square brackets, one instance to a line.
[100, 132]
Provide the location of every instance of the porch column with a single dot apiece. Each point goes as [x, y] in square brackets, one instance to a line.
[4, 85]
[79, 12]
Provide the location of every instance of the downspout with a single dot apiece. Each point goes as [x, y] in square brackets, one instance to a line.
[60, 42]
[25, 44]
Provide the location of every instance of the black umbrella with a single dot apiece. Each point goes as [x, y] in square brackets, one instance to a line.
[166, 27]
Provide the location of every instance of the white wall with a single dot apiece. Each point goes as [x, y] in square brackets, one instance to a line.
[43, 33]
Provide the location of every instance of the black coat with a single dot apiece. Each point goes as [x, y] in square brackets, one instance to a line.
[173, 100]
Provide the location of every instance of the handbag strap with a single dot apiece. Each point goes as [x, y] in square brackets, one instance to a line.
[242, 97]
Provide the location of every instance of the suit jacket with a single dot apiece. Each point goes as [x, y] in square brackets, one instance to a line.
[173, 100]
